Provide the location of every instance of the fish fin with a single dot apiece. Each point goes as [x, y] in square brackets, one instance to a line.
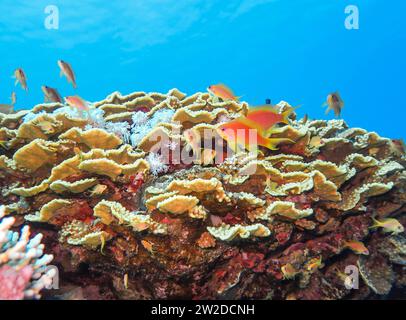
[16, 82]
[286, 114]
[328, 110]
[375, 224]
[272, 130]
[272, 143]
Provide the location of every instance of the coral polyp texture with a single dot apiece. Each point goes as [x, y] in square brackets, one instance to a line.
[126, 219]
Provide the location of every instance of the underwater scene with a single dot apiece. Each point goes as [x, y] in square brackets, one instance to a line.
[202, 150]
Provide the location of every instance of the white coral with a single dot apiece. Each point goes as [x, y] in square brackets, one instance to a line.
[142, 125]
[157, 164]
[120, 129]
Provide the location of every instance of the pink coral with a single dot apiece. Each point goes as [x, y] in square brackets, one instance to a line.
[13, 282]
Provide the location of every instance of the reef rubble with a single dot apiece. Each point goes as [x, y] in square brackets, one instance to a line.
[126, 220]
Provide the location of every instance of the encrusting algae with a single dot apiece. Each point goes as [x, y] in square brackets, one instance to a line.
[149, 187]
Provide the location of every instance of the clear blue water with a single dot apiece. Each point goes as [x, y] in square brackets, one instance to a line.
[293, 50]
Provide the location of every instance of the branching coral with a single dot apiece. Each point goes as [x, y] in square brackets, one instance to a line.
[23, 264]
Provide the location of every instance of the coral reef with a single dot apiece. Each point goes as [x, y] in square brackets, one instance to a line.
[127, 218]
[23, 265]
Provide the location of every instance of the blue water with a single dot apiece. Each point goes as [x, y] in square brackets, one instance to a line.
[293, 50]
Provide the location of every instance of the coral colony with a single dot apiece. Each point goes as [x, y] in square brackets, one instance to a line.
[140, 197]
[23, 264]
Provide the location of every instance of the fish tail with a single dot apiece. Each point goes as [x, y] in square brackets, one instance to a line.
[376, 224]
[286, 114]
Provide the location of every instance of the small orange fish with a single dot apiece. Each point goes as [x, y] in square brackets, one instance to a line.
[148, 246]
[314, 264]
[97, 190]
[21, 78]
[223, 92]
[67, 70]
[357, 247]
[266, 117]
[77, 102]
[51, 94]
[243, 133]
[46, 126]
[389, 225]
[305, 119]
[289, 272]
[335, 103]
[13, 98]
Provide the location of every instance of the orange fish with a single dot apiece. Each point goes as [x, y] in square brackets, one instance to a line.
[77, 102]
[67, 70]
[21, 78]
[314, 264]
[243, 133]
[335, 103]
[266, 117]
[13, 98]
[289, 272]
[305, 119]
[389, 225]
[356, 246]
[51, 94]
[147, 245]
[223, 92]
